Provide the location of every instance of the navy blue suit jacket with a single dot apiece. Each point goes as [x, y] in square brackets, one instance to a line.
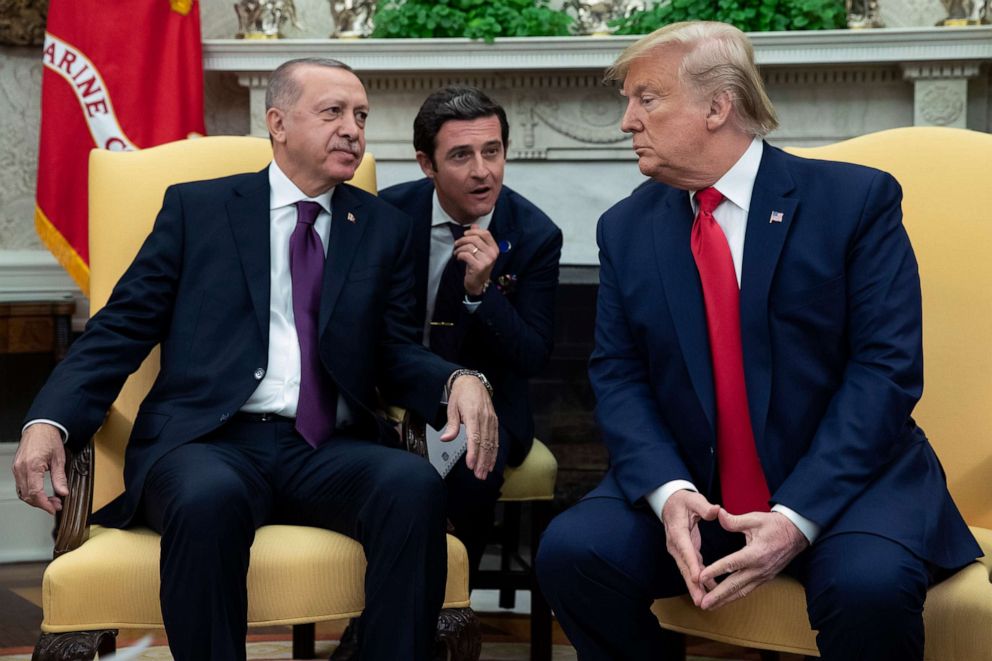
[511, 334]
[200, 286]
[831, 330]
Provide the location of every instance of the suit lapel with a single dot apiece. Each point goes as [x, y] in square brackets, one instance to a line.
[672, 221]
[768, 222]
[347, 229]
[248, 214]
[423, 221]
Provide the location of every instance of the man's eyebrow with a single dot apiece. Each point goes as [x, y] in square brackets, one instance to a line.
[457, 148]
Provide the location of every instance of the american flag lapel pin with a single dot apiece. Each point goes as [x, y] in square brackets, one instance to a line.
[776, 217]
[352, 219]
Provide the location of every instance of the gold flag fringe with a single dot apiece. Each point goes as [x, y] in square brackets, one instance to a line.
[64, 253]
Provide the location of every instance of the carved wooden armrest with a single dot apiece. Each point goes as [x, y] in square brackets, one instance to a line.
[73, 527]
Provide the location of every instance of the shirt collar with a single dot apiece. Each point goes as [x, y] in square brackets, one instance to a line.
[738, 182]
[283, 192]
[441, 217]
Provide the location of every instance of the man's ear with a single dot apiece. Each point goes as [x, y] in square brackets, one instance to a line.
[720, 110]
[426, 166]
[274, 122]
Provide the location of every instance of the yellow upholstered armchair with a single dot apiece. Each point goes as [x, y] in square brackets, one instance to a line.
[947, 206]
[102, 579]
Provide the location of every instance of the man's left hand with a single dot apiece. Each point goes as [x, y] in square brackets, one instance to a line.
[479, 251]
[771, 542]
[469, 404]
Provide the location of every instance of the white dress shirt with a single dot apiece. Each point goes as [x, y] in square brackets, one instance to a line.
[279, 390]
[442, 245]
[731, 215]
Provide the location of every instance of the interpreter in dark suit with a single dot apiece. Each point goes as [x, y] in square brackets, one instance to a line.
[758, 345]
[271, 356]
[486, 270]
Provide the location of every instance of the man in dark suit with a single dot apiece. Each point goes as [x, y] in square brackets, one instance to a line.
[764, 355]
[486, 269]
[263, 409]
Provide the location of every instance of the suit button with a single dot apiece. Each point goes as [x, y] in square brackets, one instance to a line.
[259, 373]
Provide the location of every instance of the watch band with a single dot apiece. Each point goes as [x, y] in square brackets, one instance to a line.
[466, 372]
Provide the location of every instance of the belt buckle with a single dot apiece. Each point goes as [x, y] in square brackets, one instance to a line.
[267, 417]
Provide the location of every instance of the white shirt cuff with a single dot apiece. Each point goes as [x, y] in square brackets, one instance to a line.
[660, 496]
[809, 529]
[65, 434]
[471, 306]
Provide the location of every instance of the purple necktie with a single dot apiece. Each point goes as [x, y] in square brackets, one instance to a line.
[315, 411]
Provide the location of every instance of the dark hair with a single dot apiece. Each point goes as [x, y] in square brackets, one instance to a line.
[283, 90]
[453, 103]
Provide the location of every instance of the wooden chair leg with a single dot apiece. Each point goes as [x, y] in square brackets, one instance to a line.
[303, 641]
[509, 549]
[540, 611]
[459, 634]
[75, 645]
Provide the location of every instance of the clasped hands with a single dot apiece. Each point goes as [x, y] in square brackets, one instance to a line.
[771, 542]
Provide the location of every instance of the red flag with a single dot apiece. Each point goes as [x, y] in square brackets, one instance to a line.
[119, 76]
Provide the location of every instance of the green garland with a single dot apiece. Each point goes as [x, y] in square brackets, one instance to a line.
[475, 19]
[488, 19]
[759, 16]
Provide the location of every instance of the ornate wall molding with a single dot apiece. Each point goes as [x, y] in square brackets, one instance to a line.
[940, 92]
[940, 70]
[942, 104]
[858, 75]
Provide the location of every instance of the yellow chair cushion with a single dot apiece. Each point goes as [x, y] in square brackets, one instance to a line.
[297, 575]
[534, 479]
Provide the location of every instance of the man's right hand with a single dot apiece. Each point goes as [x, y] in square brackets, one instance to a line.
[40, 451]
[681, 515]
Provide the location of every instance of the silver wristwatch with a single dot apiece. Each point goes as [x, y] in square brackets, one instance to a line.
[463, 372]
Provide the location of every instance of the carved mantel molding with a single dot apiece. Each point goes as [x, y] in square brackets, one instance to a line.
[551, 85]
[822, 47]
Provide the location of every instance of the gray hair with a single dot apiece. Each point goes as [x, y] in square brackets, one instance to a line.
[719, 58]
[283, 90]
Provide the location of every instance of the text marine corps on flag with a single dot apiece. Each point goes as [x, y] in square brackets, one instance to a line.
[79, 72]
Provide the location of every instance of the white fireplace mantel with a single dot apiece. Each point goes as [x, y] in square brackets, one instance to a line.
[821, 47]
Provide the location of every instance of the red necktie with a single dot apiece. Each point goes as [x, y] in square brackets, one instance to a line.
[742, 480]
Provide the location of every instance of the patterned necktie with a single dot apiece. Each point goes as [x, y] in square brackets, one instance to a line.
[742, 480]
[448, 307]
[317, 405]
